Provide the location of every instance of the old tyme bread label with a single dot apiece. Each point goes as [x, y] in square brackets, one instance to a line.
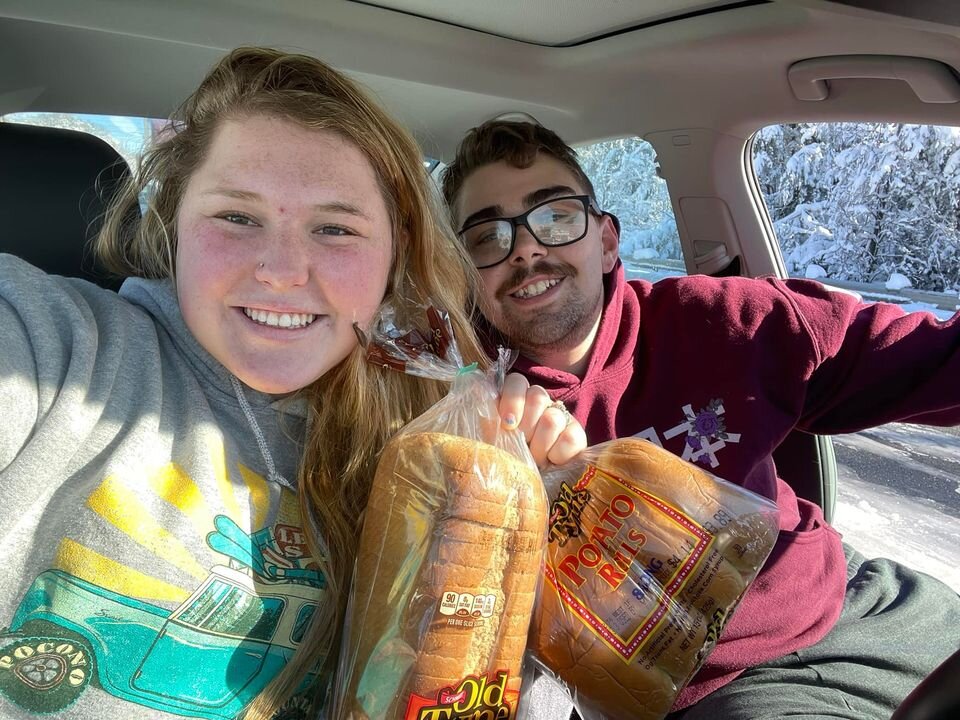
[447, 575]
[476, 697]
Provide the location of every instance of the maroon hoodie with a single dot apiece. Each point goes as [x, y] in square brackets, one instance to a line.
[719, 371]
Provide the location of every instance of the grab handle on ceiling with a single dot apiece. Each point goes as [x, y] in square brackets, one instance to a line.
[931, 80]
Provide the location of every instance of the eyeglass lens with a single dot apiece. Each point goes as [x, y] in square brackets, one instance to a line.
[553, 223]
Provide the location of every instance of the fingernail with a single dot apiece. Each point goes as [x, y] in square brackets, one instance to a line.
[510, 420]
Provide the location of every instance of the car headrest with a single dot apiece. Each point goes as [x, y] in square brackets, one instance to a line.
[55, 186]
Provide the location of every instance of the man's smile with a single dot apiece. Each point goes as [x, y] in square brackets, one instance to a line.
[535, 289]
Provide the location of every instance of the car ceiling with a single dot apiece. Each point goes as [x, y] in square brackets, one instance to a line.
[591, 70]
[551, 22]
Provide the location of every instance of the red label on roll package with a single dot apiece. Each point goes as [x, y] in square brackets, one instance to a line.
[602, 544]
[476, 697]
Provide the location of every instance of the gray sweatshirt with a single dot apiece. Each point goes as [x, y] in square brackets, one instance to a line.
[153, 565]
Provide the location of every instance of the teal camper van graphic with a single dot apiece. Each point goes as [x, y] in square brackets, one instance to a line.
[208, 658]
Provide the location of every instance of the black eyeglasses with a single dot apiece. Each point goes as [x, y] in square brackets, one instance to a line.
[554, 223]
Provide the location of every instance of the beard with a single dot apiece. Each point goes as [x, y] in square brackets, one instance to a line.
[562, 326]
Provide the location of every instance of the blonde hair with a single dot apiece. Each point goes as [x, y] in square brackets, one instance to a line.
[356, 407]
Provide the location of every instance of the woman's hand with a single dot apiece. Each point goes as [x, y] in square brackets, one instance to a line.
[552, 433]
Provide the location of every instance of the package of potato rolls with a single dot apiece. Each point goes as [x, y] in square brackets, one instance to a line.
[648, 556]
[451, 552]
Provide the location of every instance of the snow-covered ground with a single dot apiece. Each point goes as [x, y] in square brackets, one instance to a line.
[881, 523]
[898, 496]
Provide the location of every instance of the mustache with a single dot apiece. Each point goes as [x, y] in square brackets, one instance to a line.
[522, 274]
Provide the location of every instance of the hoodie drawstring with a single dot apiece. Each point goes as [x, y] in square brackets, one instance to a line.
[272, 473]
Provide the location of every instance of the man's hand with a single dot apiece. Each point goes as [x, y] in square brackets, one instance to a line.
[552, 433]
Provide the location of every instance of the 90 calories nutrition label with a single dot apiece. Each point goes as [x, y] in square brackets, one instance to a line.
[466, 607]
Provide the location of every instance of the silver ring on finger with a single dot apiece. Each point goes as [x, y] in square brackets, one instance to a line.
[558, 404]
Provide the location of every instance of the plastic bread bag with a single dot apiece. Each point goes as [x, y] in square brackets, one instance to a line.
[451, 552]
[648, 556]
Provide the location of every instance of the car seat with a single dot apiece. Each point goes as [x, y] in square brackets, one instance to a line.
[55, 186]
[808, 464]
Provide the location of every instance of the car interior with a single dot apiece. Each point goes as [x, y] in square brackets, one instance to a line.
[696, 79]
[56, 185]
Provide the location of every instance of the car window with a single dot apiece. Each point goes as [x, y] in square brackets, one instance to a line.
[624, 175]
[302, 623]
[873, 208]
[127, 135]
[226, 609]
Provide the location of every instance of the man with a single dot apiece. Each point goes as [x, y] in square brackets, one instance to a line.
[719, 371]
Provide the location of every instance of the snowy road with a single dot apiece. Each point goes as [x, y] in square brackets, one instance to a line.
[899, 496]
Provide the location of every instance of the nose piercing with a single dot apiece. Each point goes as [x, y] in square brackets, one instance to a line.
[260, 266]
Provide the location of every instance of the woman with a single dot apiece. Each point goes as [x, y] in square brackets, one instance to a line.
[185, 464]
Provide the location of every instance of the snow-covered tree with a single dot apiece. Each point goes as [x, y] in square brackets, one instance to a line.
[865, 201]
[624, 174]
[853, 201]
